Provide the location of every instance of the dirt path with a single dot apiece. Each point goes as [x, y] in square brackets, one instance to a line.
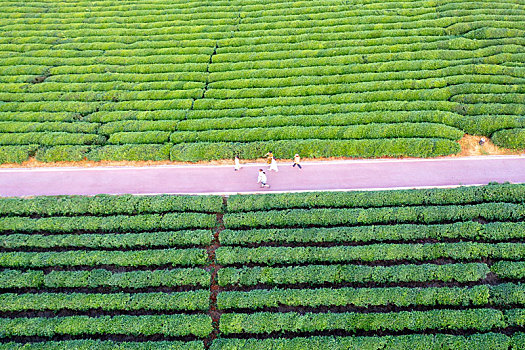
[342, 175]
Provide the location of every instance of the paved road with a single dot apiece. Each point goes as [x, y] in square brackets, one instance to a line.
[339, 175]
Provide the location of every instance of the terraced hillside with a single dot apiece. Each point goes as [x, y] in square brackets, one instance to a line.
[426, 269]
[191, 80]
[105, 272]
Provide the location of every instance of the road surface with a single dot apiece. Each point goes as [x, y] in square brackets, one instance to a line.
[207, 179]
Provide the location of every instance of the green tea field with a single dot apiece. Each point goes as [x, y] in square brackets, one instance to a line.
[403, 269]
[200, 80]
[104, 272]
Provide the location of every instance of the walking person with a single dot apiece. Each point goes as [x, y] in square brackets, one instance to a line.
[262, 179]
[296, 161]
[273, 165]
[237, 165]
[269, 157]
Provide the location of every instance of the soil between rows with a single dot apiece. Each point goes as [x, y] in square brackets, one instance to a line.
[110, 268]
[491, 279]
[102, 289]
[370, 207]
[99, 232]
[386, 223]
[215, 313]
[384, 263]
[95, 313]
[355, 262]
[360, 333]
[112, 337]
[366, 309]
[364, 243]
[100, 249]
[246, 228]
[103, 215]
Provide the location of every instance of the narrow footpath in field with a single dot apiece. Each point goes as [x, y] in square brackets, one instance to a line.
[336, 175]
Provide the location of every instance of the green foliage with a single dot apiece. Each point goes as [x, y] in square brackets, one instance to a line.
[360, 297]
[120, 138]
[369, 131]
[367, 199]
[118, 223]
[319, 274]
[509, 269]
[37, 117]
[64, 153]
[329, 119]
[323, 78]
[489, 124]
[105, 240]
[194, 300]
[462, 251]
[315, 148]
[130, 152]
[169, 325]
[134, 279]
[16, 154]
[493, 231]
[157, 257]
[88, 344]
[123, 120]
[515, 317]
[330, 107]
[510, 138]
[413, 214]
[266, 322]
[49, 138]
[136, 126]
[108, 204]
[76, 127]
[19, 279]
[518, 341]
[498, 295]
[507, 293]
[320, 65]
[438, 341]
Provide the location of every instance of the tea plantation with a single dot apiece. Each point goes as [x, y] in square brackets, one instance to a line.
[194, 80]
[404, 269]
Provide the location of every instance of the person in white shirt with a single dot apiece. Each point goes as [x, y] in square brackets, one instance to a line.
[262, 178]
[237, 163]
[273, 165]
[297, 161]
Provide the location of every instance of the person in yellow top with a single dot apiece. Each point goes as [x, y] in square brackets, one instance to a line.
[269, 157]
[296, 161]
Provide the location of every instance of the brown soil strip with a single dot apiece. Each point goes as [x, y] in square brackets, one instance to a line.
[343, 243]
[374, 333]
[280, 309]
[335, 207]
[367, 309]
[62, 249]
[98, 232]
[491, 279]
[470, 147]
[213, 311]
